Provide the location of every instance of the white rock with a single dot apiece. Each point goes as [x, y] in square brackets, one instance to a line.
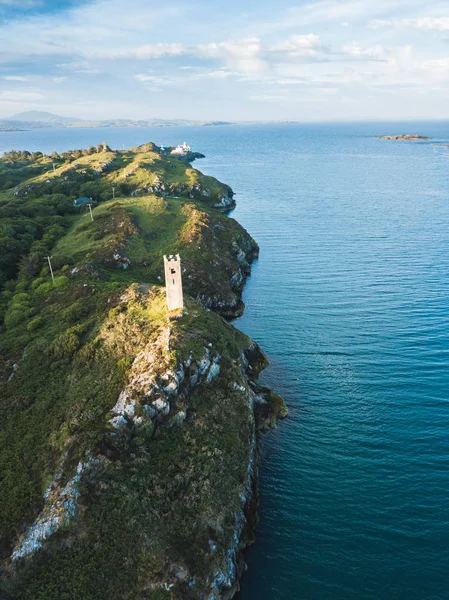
[162, 406]
[124, 405]
[179, 418]
[203, 365]
[150, 411]
[237, 387]
[118, 421]
[171, 388]
[213, 372]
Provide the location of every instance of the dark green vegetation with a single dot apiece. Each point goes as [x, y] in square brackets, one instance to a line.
[152, 505]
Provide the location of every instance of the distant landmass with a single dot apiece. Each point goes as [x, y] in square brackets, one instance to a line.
[35, 119]
[406, 137]
[37, 116]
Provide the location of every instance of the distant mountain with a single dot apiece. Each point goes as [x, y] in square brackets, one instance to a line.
[37, 116]
[35, 119]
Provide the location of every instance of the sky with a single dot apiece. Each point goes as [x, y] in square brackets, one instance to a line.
[234, 60]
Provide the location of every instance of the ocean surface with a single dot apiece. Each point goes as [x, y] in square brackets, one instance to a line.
[350, 300]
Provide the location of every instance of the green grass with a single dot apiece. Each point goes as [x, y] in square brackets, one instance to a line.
[80, 238]
[159, 221]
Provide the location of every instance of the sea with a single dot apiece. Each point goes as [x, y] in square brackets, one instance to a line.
[350, 301]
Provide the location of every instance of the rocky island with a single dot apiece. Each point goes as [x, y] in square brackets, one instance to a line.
[129, 436]
[407, 137]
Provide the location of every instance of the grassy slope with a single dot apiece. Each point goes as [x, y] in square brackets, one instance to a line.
[147, 227]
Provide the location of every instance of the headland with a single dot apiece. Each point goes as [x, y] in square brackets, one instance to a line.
[129, 436]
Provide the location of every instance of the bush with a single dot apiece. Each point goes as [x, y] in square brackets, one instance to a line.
[44, 288]
[21, 299]
[35, 323]
[22, 286]
[75, 312]
[66, 344]
[37, 282]
[16, 315]
[61, 282]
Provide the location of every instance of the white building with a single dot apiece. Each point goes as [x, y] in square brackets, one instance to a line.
[181, 149]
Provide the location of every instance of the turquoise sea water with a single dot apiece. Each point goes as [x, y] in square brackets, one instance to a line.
[350, 299]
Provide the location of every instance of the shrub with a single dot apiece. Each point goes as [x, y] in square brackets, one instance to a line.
[21, 299]
[15, 315]
[22, 286]
[75, 312]
[66, 344]
[44, 288]
[37, 282]
[61, 282]
[35, 323]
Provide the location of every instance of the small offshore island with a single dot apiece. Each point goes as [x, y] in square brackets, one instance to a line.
[407, 137]
[129, 435]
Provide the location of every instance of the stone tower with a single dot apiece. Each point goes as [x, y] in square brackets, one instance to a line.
[173, 282]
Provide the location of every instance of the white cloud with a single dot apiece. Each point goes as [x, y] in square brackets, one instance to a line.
[310, 94]
[243, 56]
[14, 78]
[374, 53]
[424, 23]
[147, 51]
[437, 70]
[100, 27]
[89, 71]
[340, 11]
[302, 45]
[19, 96]
[220, 74]
[143, 78]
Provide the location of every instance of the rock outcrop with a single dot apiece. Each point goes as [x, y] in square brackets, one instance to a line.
[407, 137]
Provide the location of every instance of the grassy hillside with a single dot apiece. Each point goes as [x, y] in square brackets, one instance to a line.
[128, 435]
[37, 192]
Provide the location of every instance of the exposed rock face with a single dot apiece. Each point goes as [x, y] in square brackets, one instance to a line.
[226, 200]
[191, 156]
[218, 283]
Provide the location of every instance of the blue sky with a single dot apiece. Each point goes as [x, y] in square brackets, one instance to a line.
[235, 60]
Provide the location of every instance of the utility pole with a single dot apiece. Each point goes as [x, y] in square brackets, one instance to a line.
[113, 193]
[49, 264]
[91, 215]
